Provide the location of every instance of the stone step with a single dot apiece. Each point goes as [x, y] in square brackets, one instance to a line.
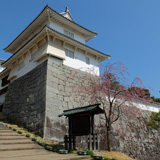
[21, 153]
[12, 137]
[5, 130]
[2, 128]
[9, 143]
[10, 134]
[19, 147]
[16, 141]
[38, 155]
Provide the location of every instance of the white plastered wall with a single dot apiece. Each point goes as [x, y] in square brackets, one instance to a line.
[149, 107]
[55, 50]
[1, 68]
[79, 61]
[58, 27]
[28, 62]
[152, 107]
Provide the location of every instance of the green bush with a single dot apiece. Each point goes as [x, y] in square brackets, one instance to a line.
[82, 152]
[41, 143]
[155, 120]
[63, 151]
[27, 135]
[36, 135]
[90, 153]
[34, 139]
[19, 132]
[72, 152]
[55, 150]
[49, 148]
[109, 158]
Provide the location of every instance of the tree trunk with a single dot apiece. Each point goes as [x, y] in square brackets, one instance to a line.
[108, 139]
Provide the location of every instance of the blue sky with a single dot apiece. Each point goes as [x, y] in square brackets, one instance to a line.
[127, 29]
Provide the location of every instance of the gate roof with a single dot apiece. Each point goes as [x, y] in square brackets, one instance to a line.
[93, 109]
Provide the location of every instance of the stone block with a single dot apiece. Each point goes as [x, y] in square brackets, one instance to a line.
[55, 85]
[65, 105]
[61, 87]
[26, 97]
[53, 79]
[51, 89]
[66, 99]
[60, 97]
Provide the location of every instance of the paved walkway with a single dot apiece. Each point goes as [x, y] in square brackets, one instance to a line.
[14, 146]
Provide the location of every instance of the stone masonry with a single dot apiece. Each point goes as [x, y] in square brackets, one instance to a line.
[25, 100]
[130, 136]
[36, 99]
[59, 97]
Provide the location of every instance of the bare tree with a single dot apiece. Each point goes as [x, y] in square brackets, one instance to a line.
[113, 90]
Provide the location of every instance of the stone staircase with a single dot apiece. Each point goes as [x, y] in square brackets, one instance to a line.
[10, 141]
[14, 146]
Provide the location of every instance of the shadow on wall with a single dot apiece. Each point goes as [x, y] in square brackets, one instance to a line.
[55, 129]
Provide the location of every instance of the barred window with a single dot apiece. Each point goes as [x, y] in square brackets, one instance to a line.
[87, 60]
[69, 34]
[69, 53]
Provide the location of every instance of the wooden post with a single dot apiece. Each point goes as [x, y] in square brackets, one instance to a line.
[98, 147]
[70, 134]
[66, 142]
[94, 142]
[74, 143]
[92, 124]
[90, 142]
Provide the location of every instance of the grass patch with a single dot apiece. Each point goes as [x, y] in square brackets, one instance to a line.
[113, 155]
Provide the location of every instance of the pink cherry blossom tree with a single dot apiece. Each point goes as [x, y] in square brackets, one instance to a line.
[113, 90]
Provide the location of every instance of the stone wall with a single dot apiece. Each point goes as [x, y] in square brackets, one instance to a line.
[25, 99]
[59, 97]
[133, 137]
[130, 136]
[36, 99]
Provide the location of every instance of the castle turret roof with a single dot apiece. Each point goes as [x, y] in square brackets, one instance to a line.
[67, 14]
[64, 18]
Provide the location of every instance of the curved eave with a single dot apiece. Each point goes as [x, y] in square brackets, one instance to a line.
[4, 72]
[39, 20]
[72, 23]
[79, 44]
[24, 33]
[16, 54]
[48, 30]
[2, 61]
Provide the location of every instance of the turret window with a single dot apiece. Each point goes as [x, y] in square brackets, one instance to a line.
[87, 60]
[69, 34]
[69, 53]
